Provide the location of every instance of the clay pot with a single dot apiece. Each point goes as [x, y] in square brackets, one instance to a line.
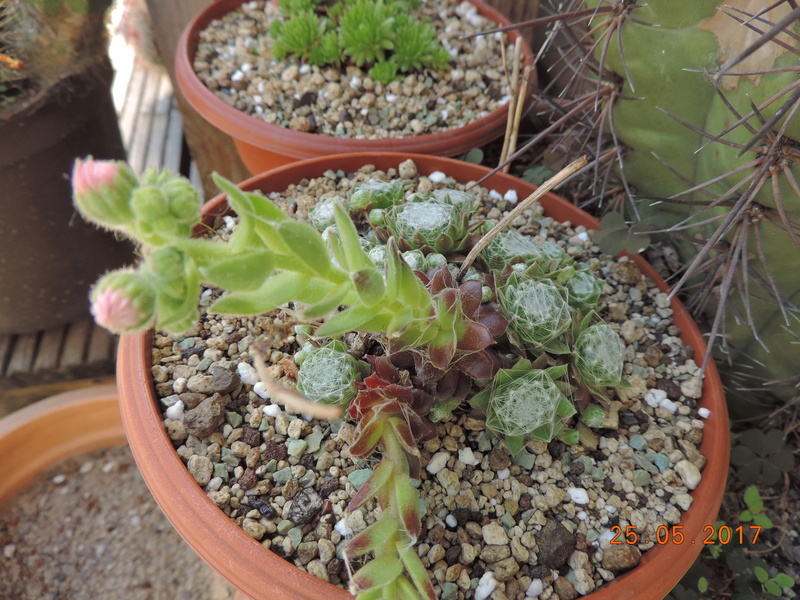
[258, 572]
[50, 258]
[263, 146]
[59, 427]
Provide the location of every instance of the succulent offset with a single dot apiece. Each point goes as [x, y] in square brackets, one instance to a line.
[443, 341]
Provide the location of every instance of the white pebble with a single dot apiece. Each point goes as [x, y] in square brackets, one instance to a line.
[175, 412]
[445, 114]
[179, 385]
[668, 405]
[611, 509]
[535, 589]
[59, 479]
[247, 373]
[451, 521]
[704, 413]
[271, 410]
[391, 97]
[261, 390]
[9, 549]
[511, 196]
[581, 514]
[485, 586]
[503, 474]
[355, 82]
[437, 463]
[343, 528]
[655, 397]
[607, 536]
[495, 195]
[237, 75]
[467, 456]
[437, 177]
[583, 236]
[578, 495]
[245, 67]
[230, 222]
[305, 69]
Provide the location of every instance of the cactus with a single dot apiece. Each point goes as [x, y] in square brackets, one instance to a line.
[696, 103]
[46, 42]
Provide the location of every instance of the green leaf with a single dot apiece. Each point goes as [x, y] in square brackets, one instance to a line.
[306, 245]
[594, 416]
[515, 444]
[368, 434]
[761, 574]
[405, 589]
[773, 588]
[278, 289]
[751, 496]
[408, 506]
[249, 204]
[354, 255]
[369, 286]
[784, 580]
[783, 460]
[244, 272]
[379, 572]
[773, 440]
[330, 303]
[416, 570]
[763, 521]
[702, 585]
[373, 537]
[373, 486]
[348, 320]
[741, 455]
[474, 156]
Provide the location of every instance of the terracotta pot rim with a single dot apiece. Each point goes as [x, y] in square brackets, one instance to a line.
[42, 434]
[297, 144]
[257, 569]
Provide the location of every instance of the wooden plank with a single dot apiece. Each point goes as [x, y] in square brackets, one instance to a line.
[75, 343]
[212, 149]
[14, 399]
[130, 107]
[159, 122]
[137, 151]
[6, 345]
[23, 353]
[173, 145]
[49, 354]
[122, 57]
[102, 345]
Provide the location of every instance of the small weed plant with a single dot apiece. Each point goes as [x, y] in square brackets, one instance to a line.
[516, 334]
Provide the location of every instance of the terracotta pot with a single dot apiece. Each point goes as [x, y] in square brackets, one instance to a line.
[65, 425]
[263, 146]
[50, 258]
[262, 575]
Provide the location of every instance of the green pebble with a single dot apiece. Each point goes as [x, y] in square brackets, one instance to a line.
[524, 459]
[296, 447]
[660, 461]
[284, 527]
[598, 474]
[296, 535]
[527, 515]
[221, 471]
[507, 520]
[271, 466]
[233, 418]
[308, 479]
[637, 442]
[586, 461]
[449, 591]
[204, 364]
[641, 477]
[359, 477]
[187, 343]
[313, 439]
[484, 443]
[264, 425]
[592, 536]
[229, 458]
[282, 476]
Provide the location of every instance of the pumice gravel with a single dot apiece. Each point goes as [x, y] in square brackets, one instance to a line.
[492, 523]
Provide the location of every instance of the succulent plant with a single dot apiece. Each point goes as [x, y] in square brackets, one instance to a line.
[511, 247]
[444, 341]
[328, 374]
[697, 105]
[380, 35]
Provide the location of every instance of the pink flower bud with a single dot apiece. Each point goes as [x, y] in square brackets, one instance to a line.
[115, 311]
[90, 175]
[102, 191]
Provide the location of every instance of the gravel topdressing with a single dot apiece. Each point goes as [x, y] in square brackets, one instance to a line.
[234, 60]
[535, 525]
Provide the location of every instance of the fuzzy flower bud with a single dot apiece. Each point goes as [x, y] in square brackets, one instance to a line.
[123, 302]
[102, 191]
